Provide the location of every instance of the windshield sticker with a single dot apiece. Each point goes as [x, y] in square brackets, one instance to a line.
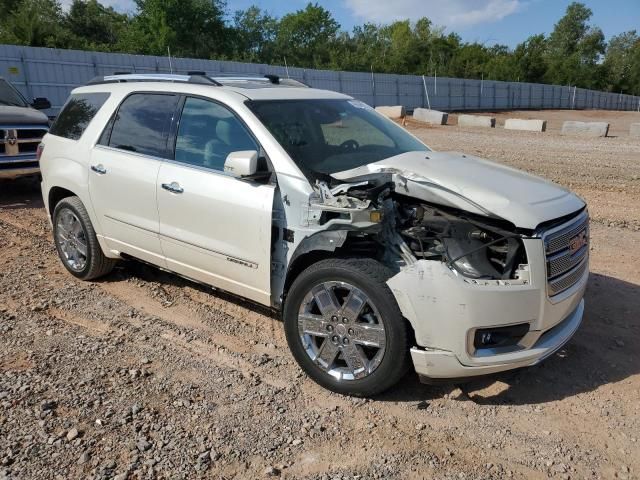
[359, 104]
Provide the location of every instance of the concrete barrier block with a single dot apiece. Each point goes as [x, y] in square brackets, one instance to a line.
[526, 125]
[634, 131]
[433, 117]
[396, 111]
[585, 129]
[476, 121]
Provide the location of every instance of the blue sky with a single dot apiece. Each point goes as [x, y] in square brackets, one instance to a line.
[487, 21]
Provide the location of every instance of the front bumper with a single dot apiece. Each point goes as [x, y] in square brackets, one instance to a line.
[435, 364]
[445, 310]
[18, 166]
[19, 172]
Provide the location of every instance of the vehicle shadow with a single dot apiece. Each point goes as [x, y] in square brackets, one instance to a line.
[20, 193]
[150, 273]
[605, 350]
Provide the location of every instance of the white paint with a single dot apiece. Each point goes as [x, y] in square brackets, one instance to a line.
[475, 185]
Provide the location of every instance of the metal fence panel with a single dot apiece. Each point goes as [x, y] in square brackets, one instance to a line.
[53, 73]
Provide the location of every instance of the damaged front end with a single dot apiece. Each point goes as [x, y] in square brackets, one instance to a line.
[399, 231]
[477, 249]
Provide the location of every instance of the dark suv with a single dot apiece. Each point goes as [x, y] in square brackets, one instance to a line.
[22, 127]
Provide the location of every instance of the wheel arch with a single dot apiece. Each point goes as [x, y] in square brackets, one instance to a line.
[308, 258]
[63, 189]
[56, 195]
[312, 249]
[300, 263]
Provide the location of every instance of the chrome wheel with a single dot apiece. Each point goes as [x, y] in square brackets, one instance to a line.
[341, 330]
[71, 239]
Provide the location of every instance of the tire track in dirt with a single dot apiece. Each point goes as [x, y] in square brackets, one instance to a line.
[221, 358]
[220, 348]
[92, 326]
[138, 298]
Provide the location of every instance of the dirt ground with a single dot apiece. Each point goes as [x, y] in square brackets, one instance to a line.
[146, 375]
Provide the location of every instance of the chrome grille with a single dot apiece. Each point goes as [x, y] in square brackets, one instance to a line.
[567, 255]
[20, 142]
[564, 282]
[564, 261]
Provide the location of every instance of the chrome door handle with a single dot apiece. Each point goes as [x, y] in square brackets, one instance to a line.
[99, 169]
[173, 187]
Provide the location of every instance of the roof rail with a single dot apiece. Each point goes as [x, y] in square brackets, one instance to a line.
[273, 79]
[195, 77]
[154, 77]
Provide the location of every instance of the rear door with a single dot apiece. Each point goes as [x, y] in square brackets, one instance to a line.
[124, 170]
[213, 227]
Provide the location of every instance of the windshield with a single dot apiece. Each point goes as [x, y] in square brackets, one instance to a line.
[10, 96]
[329, 136]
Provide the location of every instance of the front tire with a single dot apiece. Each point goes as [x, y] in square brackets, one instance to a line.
[344, 327]
[76, 241]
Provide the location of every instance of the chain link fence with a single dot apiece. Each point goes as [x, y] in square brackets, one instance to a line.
[53, 73]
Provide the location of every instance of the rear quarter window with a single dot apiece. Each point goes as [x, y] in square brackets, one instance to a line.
[77, 113]
[142, 124]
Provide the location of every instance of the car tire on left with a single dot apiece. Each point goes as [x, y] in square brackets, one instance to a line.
[76, 241]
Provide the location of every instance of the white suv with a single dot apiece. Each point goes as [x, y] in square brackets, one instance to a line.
[377, 250]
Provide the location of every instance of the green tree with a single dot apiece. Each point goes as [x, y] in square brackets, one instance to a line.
[575, 49]
[305, 37]
[622, 63]
[93, 26]
[254, 35]
[9, 5]
[191, 28]
[469, 61]
[35, 23]
[360, 51]
[530, 59]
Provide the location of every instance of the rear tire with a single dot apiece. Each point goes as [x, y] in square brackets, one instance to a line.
[344, 327]
[76, 241]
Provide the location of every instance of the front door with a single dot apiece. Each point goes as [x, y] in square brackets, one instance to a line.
[213, 227]
[123, 173]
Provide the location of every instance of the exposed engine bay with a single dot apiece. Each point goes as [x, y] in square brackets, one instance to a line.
[399, 230]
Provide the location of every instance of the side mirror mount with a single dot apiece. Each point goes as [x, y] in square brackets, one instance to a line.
[41, 103]
[242, 164]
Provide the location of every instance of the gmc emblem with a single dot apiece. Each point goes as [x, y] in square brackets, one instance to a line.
[577, 242]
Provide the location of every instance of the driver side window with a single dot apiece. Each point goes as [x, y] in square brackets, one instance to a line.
[208, 133]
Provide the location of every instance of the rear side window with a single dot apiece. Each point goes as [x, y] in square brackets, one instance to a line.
[77, 113]
[142, 124]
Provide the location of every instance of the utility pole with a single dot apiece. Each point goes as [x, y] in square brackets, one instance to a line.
[373, 86]
[424, 82]
[435, 82]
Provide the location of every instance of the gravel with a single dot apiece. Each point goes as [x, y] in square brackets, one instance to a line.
[146, 375]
